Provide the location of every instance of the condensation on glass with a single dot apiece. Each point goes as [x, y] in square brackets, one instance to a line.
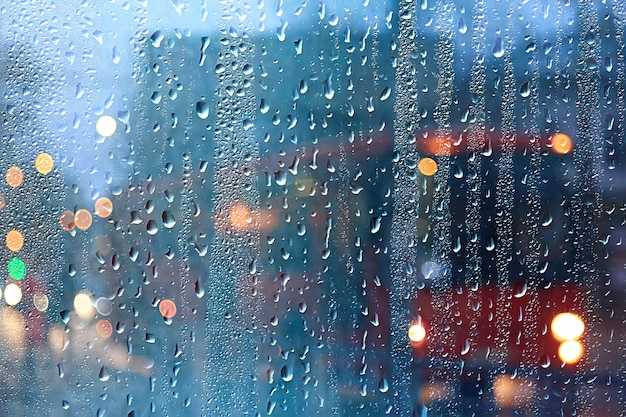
[278, 208]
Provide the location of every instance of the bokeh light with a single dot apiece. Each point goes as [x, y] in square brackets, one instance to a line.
[82, 219]
[417, 333]
[1, 201]
[167, 308]
[41, 302]
[44, 163]
[104, 328]
[66, 220]
[12, 294]
[562, 144]
[103, 306]
[103, 207]
[83, 305]
[14, 176]
[570, 351]
[427, 166]
[14, 240]
[106, 126]
[567, 326]
[17, 268]
[240, 217]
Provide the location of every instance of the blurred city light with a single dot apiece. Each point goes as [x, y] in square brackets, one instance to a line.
[240, 217]
[106, 126]
[427, 166]
[83, 305]
[41, 302]
[14, 176]
[417, 333]
[12, 294]
[562, 144]
[44, 163]
[570, 351]
[567, 326]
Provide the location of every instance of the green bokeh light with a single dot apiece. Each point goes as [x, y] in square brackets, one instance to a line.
[17, 268]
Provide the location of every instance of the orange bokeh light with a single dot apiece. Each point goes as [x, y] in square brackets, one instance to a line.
[82, 219]
[104, 328]
[14, 176]
[167, 308]
[14, 240]
[562, 144]
[103, 207]
[240, 217]
[66, 220]
[427, 166]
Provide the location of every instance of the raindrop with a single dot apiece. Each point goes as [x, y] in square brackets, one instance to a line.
[198, 290]
[115, 56]
[168, 219]
[329, 92]
[152, 228]
[375, 224]
[104, 375]
[525, 90]
[385, 94]
[383, 385]
[156, 38]
[546, 220]
[498, 49]
[286, 373]
[202, 109]
[462, 26]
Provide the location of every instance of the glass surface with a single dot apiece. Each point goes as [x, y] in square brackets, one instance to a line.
[408, 208]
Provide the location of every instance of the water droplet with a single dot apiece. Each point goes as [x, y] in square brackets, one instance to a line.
[375, 224]
[104, 375]
[202, 109]
[151, 227]
[462, 26]
[286, 373]
[156, 38]
[383, 385]
[498, 49]
[329, 92]
[525, 89]
[168, 219]
[385, 94]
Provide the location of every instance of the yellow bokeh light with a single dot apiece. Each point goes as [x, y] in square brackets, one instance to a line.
[240, 217]
[40, 301]
[103, 207]
[106, 126]
[417, 333]
[427, 166]
[1, 201]
[83, 305]
[12, 294]
[562, 144]
[14, 240]
[44, 163]
[567, 326]
[570, 351]
[82, 219]
[14, 176]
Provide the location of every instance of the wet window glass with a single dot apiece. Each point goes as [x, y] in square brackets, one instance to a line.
[352, 208]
